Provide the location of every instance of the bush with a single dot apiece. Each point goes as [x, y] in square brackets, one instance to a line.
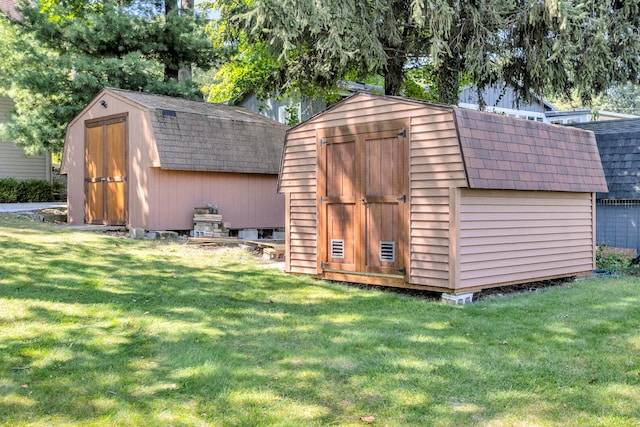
[8, 190]
[34, 190]
[610, 260]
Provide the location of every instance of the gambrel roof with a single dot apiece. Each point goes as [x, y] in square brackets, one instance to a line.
[505, 153]
[207, 137]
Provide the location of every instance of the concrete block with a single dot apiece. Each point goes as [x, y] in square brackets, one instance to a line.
[136, 233]
[163, 235]
[458, 299]
[248, 234]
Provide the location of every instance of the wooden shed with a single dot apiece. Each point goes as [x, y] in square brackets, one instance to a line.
[396, 192]
[146, 161]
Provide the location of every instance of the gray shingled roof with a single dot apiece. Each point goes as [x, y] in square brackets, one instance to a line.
[514, 154]
[201, 136]
[619, 145]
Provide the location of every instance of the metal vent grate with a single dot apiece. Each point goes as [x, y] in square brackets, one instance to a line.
[337, 248]
[388, 251]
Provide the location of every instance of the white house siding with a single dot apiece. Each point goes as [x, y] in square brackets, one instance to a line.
[13, 162]
[508, 237]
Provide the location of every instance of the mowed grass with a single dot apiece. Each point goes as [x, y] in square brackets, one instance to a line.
[98, 330]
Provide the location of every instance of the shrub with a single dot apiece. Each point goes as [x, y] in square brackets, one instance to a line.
[8, 190]
[611, 260]
[34, 190]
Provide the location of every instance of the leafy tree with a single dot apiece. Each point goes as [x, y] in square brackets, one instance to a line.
[555, 45]
[620, 99]
[63, 52]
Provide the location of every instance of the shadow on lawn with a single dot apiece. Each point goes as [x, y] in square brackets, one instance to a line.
[148, 338]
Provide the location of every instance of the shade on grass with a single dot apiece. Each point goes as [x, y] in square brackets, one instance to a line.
[101, 330]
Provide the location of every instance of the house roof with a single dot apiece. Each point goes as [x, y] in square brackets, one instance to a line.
[619, 145]
[504, 153]
[8, 7]
[201, 136]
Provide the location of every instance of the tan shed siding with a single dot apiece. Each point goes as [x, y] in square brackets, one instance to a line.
[303, 232]
[436, 166]
[298, 180]
[514, 236]
[366, 111]
[141, 154]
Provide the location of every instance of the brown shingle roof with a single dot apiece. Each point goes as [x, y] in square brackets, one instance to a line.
[514, 154]
[201, 136]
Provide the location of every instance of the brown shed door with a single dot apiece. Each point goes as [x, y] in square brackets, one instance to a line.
[105, 172]
[363, 203]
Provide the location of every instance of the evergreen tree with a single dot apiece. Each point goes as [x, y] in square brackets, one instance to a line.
[555, 45]
[63, 52]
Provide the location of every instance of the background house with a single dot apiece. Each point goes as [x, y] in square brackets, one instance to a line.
[500, 99]
[13, 161]
[397, 192]
[618, 211]
[146, 161]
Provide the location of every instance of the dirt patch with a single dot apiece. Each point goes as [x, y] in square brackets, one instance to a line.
[524, 288]
[498, 292]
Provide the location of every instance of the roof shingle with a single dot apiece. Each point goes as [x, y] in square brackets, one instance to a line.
[201, 136]
[503, 153]
[619, 145]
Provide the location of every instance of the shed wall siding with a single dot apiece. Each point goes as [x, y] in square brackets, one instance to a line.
[436, 166]
[299, 180]
[509, 237]
[141, 155]
[244, 200]
[13, 161]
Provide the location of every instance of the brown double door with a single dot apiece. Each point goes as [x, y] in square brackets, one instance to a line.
[363, 202]
[105, 176]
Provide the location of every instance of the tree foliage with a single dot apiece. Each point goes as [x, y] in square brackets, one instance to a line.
[545, 46]
[623, 99]
[63, 52]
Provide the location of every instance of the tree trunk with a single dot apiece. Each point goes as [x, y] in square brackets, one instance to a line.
[179, 72]
[449, 81]
[394, 75]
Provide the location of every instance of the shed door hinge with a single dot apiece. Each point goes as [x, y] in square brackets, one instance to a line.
[402, 198]
[403, 133]
[323, 264]
[323, 142]
[322, 200]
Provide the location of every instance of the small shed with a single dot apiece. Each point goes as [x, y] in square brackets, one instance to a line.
[618, 211]
[146, 161]
[391, 191]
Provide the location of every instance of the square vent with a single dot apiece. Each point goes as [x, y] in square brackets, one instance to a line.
[388, 251]
[337, 248]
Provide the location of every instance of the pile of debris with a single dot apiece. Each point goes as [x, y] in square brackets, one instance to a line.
[208, 223]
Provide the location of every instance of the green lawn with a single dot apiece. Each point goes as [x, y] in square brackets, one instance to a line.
[97, 330]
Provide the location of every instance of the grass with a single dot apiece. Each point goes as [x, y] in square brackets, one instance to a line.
[105, 331]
